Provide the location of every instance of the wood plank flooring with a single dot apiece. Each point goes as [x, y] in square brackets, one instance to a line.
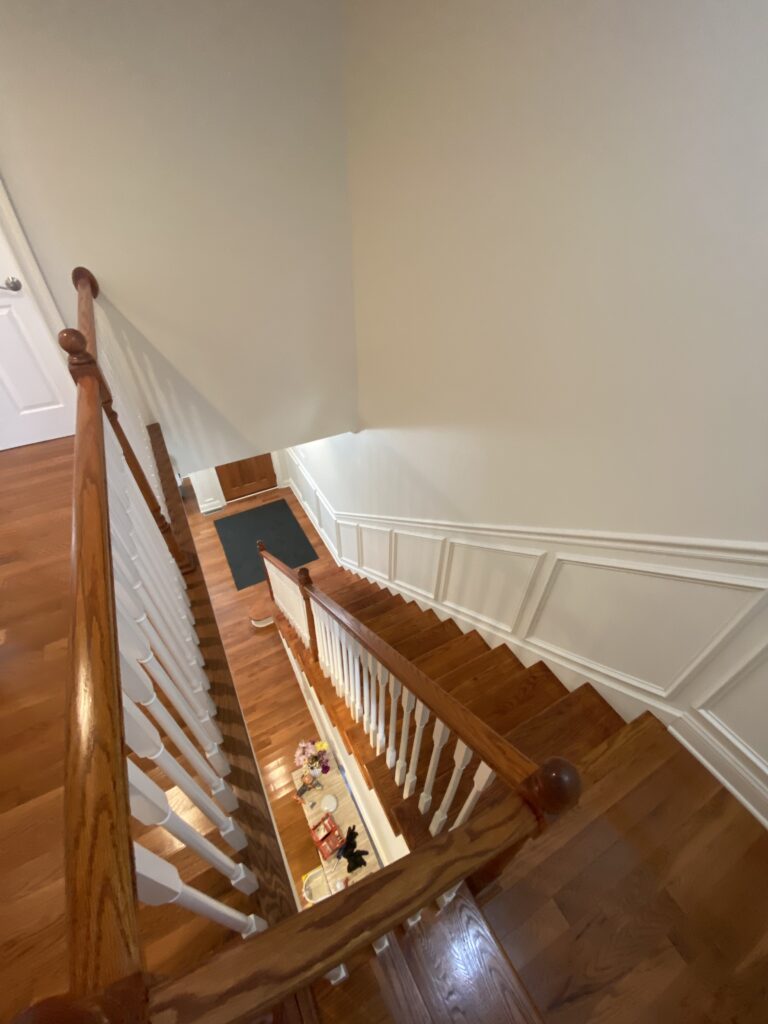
[275, 712]
[35, 523]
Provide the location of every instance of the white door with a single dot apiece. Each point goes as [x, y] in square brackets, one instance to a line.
[37, 395]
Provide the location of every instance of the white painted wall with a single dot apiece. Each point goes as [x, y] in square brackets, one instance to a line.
[193, 156]
[560, 228]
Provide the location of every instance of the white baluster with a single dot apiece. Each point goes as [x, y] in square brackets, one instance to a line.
[182, 649]
[139, 688]
[372, 669]
[439, 738]
[462, 755]
[448, 897]
[320, 634]
[206, 732]
[347, 667]
[337, 974]
[483, 777]
[357, 702]
[366, 687]
[380, 944]
[149, 804]
[420, 718]
[338, 663]
[408, 701]
[194, 692]
[394, 692]
[144, 740]
[381, 733]
[158, 882]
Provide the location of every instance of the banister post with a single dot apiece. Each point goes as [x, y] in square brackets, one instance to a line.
[554, 788]
[305, 580]
[262, 547]
[102, 928]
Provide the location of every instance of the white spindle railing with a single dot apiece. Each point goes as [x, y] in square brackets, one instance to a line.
[128, 400]
[394, 720]
[159, 654]
[158, 882]
[388, 711]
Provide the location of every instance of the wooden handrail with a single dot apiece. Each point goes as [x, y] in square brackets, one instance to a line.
[286, 570]
[242, 981]
[510, 764]
[102, 928]
[82, 347]
[551, 789]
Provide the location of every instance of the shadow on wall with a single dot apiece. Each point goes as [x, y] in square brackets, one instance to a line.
[197, 434]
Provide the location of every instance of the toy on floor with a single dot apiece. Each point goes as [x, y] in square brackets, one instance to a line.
[355, 858]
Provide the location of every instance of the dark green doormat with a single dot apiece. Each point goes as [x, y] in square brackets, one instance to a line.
[277, 526]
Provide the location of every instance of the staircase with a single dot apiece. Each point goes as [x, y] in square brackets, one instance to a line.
[516, 901]
[594, 920]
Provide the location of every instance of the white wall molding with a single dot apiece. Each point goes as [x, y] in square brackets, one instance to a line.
[659, 623]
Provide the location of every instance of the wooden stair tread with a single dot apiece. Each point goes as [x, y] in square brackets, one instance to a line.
[449, 656]
[404, 621]
[404, 615]
[352, 590]
[505, 698]
[365, 605]
[398, 987]
[499, 658]
[609, 772]
[416, 646]
[570, 727]
[478, 984]
[379, 606]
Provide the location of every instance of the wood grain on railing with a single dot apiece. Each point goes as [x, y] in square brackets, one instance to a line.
[510, 764]
[236, 985]
[102, 930]
[87, 290]
[83, 350]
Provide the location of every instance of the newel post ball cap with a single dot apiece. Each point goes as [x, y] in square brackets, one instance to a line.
[557, 785]
[72, 341]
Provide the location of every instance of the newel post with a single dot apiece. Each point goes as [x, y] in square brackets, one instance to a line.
[554, 788]
[305, 580]
[261, 546]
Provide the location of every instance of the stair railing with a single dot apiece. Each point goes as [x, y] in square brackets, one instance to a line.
[137, 679]
[394, 701]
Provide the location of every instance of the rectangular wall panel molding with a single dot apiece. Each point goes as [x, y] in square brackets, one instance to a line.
[675, 625]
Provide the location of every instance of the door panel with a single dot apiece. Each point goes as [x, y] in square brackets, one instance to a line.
[37, 396]
[248, 476]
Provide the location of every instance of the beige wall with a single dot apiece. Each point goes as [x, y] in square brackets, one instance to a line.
[192, 154]
[560, 222]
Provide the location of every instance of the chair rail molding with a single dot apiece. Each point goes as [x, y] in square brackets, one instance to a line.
[675, 625]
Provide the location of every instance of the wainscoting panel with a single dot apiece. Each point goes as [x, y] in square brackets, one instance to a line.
[603, 614]
[416, 558]
[375, 543]
[488, 582]
[674, 625]
[349, 542]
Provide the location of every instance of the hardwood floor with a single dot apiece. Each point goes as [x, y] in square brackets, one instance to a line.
[275, 712]
[35, 522]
